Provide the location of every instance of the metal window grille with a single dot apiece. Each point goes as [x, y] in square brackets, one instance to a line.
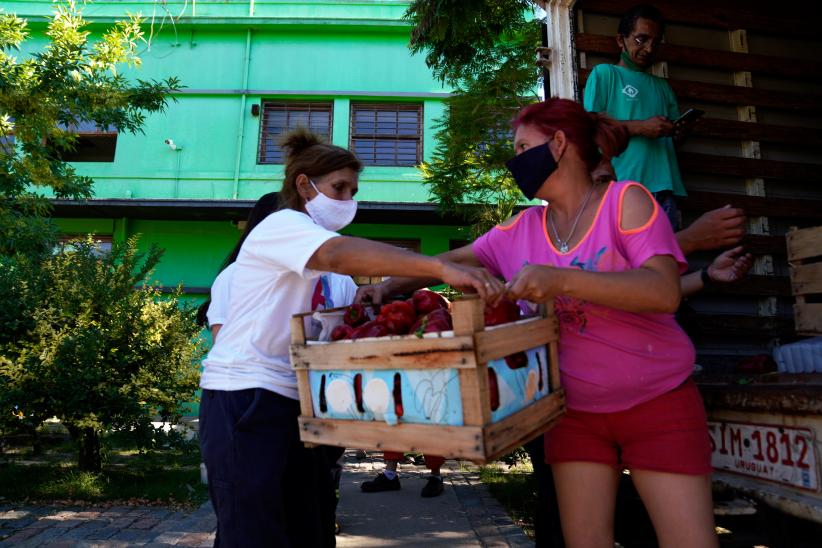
[281, 117]
[102, 243]
[387, 134]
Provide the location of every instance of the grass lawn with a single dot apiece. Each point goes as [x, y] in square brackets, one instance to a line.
[169, 475]
[516, 489]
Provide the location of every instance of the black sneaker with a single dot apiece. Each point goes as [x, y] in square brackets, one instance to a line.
[433, 488]
[381, 483]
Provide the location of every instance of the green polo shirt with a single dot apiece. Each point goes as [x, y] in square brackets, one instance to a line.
[626, 94]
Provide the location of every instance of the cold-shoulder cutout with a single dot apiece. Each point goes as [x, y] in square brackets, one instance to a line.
[511, 221]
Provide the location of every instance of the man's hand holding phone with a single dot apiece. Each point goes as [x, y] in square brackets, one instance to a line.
[683, 124]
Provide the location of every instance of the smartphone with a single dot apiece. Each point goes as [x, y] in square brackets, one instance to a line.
[689, 116]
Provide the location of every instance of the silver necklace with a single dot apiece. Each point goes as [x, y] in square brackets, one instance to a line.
[563, 245]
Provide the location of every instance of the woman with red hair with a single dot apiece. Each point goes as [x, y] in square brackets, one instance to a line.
[609, 258]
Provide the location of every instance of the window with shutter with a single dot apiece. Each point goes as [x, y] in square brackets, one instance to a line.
[281, 117]
[387, 134]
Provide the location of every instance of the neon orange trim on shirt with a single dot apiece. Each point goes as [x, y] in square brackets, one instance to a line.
[587, 232]
[619, 210]
[513, 222]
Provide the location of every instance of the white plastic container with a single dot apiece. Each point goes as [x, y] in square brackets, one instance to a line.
[799, 357]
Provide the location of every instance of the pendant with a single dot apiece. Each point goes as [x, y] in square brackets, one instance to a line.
[563, 247]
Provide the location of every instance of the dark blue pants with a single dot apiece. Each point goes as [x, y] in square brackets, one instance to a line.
[547, 526]
[667, 202]
[267, 489]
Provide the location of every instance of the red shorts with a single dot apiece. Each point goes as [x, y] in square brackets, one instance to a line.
[666, 434]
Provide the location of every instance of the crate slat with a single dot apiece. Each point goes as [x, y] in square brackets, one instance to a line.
[808, 318]
[447, 441]
[804, 243]
[395, 353]
[303, 384]
[508, 339]
[553, 369]
[469, 319]
[506, 435]
[806, 279]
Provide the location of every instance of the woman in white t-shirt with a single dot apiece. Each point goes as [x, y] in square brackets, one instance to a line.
[264, 484]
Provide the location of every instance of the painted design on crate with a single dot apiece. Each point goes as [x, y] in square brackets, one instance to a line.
[421, 396]
[521, 386]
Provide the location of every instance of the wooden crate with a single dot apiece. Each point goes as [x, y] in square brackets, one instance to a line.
[805, 260]
[442, 382]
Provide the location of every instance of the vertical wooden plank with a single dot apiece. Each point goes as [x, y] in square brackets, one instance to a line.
[547, 311]
[553, 367]
[469, 318]
[303, 384]
[468, 314]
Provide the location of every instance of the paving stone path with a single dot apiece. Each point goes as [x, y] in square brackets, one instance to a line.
[465, 515]
[110, 527]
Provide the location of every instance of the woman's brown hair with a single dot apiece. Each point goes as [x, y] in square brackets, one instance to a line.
[307, 154]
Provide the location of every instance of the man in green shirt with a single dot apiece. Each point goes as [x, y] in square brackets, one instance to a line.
[647, 106]
[645, 103]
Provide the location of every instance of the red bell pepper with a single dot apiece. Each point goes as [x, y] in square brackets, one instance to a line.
[370, 329]
[341, 332]
[438, 320]
[355, 315]
[504, 311]
[398, 317]
[427, 301]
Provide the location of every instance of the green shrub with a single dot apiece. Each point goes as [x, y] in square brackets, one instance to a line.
[101, 350]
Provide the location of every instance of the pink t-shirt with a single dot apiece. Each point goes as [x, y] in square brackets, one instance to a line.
[609, 359]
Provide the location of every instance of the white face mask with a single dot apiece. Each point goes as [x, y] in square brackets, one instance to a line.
[329, 213]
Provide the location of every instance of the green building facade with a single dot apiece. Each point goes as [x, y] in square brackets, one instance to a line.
[249, 69]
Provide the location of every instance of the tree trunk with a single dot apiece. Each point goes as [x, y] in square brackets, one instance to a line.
[88, 443]
[36, 443]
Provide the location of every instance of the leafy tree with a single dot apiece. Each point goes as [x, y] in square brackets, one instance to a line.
[96, 352]
[46, 94]
[485, 51]
[78, 340]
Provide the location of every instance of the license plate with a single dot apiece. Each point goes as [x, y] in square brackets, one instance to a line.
[781, 454]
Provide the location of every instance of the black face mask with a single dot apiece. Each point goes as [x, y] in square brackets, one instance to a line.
[531, 168]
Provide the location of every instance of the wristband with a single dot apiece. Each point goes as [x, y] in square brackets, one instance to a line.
[707, 281]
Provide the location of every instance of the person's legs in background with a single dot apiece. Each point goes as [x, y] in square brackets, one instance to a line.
[389, 480]
[547, 527]
[433, 487]
[667, 201]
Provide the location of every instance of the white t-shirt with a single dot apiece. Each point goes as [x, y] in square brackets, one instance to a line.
[218, 307]
[269, 284]
[331, 290]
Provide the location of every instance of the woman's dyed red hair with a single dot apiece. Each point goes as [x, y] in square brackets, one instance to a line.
[596, 136]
